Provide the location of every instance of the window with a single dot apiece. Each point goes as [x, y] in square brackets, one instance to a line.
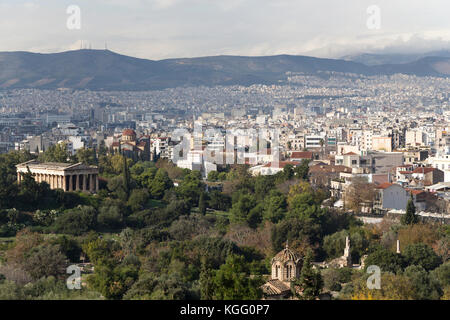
[289, 272]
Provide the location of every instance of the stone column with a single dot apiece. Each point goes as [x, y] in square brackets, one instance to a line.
[91, 183]
[96, 183]
[85, 182]
[19, 177]
[77, 182]
[70, 183]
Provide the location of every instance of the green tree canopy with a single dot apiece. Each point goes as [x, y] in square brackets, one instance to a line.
[421, 254]
[56, 153]
[86, 156]
[410, 217]
[425, 286]
[310, 280]
[387, 260]
[233, 282]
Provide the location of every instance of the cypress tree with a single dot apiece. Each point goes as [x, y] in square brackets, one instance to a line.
[126, 177]
[206, 281]
[410, 217]
[202, 204]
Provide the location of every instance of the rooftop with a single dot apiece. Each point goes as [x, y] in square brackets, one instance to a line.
[35, 164]
[384, 185]
[423, 170]
[282, 164]
[301, 155]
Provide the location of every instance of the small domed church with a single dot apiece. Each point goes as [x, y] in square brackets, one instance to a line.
[130, 146]
[286, 266]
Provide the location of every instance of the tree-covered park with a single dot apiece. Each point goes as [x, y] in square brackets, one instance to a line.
[156, 231]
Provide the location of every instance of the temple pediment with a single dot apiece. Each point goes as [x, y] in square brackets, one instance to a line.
[65, 176]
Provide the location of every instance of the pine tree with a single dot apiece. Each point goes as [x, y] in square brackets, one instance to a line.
[206, 281]
[126, 177]
[310, 280]
[202, 204]
[410, 217]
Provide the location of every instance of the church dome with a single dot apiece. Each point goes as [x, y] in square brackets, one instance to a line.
[128, 132]
[286, 255]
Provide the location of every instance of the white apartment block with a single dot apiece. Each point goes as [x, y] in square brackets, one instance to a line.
[415, 138]
[442, 162]
[313, 141]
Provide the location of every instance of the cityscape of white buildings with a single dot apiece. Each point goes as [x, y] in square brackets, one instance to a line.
[392, 130]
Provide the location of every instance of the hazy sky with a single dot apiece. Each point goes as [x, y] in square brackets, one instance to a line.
[158, 29]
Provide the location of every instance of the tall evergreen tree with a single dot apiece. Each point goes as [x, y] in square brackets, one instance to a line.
[202, 204]
[410, 217]
[310, 280]
[126, 176]
[206, 281]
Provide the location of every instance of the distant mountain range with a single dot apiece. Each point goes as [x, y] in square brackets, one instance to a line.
[394, 58]
[106, 70]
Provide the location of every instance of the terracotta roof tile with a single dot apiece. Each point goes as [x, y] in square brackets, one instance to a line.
[384, 185]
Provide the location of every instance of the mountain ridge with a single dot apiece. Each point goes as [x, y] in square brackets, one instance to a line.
[107, 70]
[373, 59]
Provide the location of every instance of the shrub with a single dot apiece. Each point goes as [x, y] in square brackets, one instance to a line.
[76, 221]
